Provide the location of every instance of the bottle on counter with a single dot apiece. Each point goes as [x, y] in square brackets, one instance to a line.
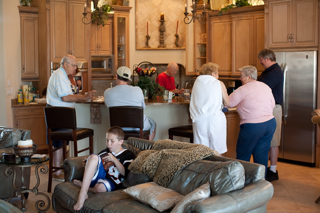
[20, 97]
[26, 96]
[30, 93]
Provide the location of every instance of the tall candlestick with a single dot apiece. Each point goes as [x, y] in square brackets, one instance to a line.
[162, 17]
[147, 28]
[177, 27]
[85, 7]
[186, 10]
[193, 5]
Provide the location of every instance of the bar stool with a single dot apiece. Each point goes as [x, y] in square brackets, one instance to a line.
[182, 131]
[131, 117]
[64, 118]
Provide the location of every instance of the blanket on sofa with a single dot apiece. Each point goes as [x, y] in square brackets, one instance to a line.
[166, 158]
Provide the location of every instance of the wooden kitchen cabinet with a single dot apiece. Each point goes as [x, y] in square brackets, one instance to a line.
[101, 39]
[292, 23]
[68, 33]
[233, 129]
[121, 37]
[29, 43]
[31, 117]
[236, 39]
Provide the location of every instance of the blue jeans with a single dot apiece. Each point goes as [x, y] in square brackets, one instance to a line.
[254, 139]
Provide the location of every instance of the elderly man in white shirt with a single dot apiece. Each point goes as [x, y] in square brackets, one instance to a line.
[59, 93]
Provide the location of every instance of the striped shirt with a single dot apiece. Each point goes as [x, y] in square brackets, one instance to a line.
[58, 87]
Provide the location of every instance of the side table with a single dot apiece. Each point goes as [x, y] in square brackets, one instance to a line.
[38, 162]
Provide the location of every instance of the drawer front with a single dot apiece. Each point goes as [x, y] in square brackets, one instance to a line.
[29, 111]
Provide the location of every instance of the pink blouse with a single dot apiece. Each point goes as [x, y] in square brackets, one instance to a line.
[254, 102]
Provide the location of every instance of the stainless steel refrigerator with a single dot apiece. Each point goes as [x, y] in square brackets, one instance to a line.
[299, 100]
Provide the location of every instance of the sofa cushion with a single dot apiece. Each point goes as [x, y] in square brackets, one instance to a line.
[135, 179]
[9, 137]
[222, 176]
[66, 195]
[158, 197]
[200, 193]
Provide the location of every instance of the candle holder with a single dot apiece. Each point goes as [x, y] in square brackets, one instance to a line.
[147, 41]
[177, 40]
[162, 29]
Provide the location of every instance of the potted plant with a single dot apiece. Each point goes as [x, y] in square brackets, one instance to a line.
[25, 3]
[147, 83]
[239, 3]
[99, 16]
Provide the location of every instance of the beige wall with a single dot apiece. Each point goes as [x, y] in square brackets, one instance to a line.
[10, 58]
[154, 56]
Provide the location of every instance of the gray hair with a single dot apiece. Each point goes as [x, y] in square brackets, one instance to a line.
[267, 53]
[65, 59]
[249, 70]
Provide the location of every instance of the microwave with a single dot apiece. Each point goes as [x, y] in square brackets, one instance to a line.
[101, 63]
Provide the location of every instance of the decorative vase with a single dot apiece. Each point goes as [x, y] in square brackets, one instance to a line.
[125, 3]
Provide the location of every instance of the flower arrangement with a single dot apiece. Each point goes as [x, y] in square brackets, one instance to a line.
[100, 15]
[146, 71]
[146, 82]
[25, 2]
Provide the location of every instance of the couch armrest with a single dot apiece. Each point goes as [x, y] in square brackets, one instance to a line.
[73, 168]
[253, 196]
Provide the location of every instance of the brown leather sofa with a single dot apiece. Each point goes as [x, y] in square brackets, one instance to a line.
[9, 137]
[236, 186]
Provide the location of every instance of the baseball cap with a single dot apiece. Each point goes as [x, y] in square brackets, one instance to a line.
[124, 72]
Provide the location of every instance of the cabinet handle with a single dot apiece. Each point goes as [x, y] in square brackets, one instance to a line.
[289, 37]
[23, 68]
[292, 37]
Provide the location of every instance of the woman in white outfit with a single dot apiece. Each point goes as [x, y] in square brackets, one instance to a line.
[208, 97]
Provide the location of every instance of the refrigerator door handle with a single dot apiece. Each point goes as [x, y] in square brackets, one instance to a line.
[285, 108]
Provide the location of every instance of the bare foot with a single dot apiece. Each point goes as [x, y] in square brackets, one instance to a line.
[77, 182]
[80, 201]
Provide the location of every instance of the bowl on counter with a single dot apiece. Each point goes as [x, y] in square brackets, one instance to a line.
[40, 100]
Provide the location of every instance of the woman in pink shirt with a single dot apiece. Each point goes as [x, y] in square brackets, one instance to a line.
[255, 103]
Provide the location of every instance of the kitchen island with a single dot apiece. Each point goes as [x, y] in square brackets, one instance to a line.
[165, 114]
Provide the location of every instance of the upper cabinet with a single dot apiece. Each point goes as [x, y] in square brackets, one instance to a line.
[121, 37]
[68, 33]
[291, 23]
[29, 43]
[196, 49]
[101, 38]
[236, 39]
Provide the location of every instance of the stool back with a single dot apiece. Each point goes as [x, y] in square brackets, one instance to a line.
[126, 116]
[60, 117]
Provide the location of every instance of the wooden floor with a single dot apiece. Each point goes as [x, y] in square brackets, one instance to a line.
[295, 191]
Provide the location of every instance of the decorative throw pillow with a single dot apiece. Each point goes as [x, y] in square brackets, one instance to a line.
[158, 197]
[200, 193]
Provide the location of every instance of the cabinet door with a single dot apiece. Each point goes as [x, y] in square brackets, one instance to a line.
[258, 40]
[279, 23]
[242, 42]
[305, 23]
[121, 36]
[190, 70]
[94, 39]
[77, 31]
[59, 26]
[32, 118]
[29, 46]
[220, 43]
[200, 43]
[105, 39]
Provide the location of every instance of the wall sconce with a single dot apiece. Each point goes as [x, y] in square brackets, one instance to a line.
[194, 13]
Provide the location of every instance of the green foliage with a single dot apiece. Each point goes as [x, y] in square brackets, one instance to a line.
[239, 3]
[154, 89]
[25, 2]
[99, 19]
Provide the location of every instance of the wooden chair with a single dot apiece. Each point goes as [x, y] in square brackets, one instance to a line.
[182, 131]
[64, 119]
[131, 117]
[316, 120]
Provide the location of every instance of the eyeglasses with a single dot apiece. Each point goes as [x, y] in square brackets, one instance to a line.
[74, 65]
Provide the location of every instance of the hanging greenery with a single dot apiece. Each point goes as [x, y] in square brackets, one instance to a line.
[100, 15]
[239, 3]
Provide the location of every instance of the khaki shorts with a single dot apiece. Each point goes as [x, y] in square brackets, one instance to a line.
[277, 113]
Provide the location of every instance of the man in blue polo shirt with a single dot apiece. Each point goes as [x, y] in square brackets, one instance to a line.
[59, 93]
[273, 77]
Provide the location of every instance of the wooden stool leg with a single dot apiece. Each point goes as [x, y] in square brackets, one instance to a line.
[91, 144]
[50, 165]
[75, 148]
